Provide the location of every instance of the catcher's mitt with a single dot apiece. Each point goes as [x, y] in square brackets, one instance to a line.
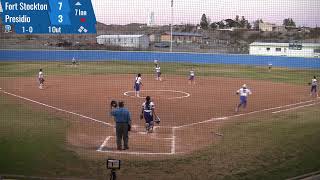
[157, 120]
[113, 104]
[309, 83]
[141, 116]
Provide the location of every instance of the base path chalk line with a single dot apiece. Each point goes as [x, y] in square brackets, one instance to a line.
[174, 91]
[104, 144]
[58, 109]
[173, 141]
[284, 110]
[69, 112]
[244, 114]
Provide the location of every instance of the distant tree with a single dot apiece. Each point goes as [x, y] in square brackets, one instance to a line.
[256, 24]
[188, 28]
[209, 21]
[220, 25]
[249, 26]
[204, 22]
[231, 23]
[237, 18]
[289, 22]
[213, 25]
[244, 23]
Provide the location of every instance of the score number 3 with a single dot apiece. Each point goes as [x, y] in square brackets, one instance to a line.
[60, 18]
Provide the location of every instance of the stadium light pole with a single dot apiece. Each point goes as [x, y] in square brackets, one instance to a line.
[171, 28]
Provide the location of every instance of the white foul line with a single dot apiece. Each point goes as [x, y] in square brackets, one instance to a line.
[275, 112]
[104, 143]
[237, 115]
[173, 141]
[52, 107]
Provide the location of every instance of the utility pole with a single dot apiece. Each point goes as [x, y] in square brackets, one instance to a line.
[171, 26]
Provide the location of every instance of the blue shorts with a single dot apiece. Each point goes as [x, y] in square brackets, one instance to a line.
[191, 78]
[313, 88]
[243, 100]
[148, 117]
[158, 74]
[137, 87]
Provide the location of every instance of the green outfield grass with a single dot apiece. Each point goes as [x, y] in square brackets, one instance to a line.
[33, 143]
[278, 146]
[274, 147]
[29, 69]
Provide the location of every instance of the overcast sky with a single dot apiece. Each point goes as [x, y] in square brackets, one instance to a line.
[303, 12]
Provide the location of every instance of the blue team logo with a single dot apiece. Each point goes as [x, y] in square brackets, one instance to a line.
[7, 28]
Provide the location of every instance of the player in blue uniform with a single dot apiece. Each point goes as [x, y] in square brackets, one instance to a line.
[148, 113]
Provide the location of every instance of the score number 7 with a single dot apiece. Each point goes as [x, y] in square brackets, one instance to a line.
[60, 5]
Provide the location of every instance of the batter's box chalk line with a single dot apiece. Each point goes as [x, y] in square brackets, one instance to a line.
[105, 143]
[184, 94]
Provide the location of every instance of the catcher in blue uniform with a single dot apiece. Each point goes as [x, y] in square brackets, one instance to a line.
[148, 113]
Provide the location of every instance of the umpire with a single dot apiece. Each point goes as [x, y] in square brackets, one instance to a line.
[123, 124]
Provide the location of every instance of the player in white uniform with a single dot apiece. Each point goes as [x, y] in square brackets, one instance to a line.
[137, 85]
[158, 73]
[155, 63]
[74, 62]
[269, 67]
[243, 92]
[191, 77]
[314, 87]
[40, 79]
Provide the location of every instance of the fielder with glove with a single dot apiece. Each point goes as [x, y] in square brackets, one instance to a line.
[148, 113]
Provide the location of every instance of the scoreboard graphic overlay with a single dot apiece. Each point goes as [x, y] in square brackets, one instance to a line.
[48, 16]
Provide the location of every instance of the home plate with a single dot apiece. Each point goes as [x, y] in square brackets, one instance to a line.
[142, 133]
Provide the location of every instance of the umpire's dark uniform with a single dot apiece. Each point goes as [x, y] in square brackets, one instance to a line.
[123, 121]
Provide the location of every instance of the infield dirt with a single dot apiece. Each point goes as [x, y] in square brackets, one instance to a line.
[90, 96]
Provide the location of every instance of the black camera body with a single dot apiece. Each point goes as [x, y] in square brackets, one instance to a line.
[113, 164]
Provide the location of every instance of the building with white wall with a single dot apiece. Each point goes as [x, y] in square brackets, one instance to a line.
[133, 41]
[285, 49]
[268, 27]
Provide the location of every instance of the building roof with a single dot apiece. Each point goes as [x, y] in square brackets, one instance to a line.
[283, 44]
[120, 36]
[184, 34]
